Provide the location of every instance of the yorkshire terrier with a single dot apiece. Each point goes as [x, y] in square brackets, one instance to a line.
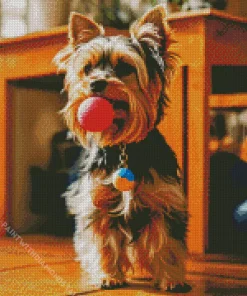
[146, 225]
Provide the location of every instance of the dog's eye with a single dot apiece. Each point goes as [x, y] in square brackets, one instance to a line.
[87, 68]
[123, 69]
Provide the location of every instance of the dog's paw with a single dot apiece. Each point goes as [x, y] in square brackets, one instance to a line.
[178, 288]
[172, 287]
[113, 283]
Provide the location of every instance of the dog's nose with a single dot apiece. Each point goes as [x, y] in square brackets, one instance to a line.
[98, 85]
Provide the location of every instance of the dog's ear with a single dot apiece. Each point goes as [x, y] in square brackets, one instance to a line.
[82, 29]
[152, 29]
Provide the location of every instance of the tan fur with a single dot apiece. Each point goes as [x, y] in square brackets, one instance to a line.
[153, 28]
[155, 251]
[105, 252]
[140, 94]
[82, 29]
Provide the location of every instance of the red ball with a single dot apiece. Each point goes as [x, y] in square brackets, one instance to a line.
[95, 114]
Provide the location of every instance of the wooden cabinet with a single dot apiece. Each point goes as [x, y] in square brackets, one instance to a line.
[206, 39]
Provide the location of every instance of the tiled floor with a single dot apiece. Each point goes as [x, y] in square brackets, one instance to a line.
[42, 265]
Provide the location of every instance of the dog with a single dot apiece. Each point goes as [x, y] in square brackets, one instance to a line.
[147, 224]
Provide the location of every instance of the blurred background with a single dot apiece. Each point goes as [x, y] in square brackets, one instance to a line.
[205, 124]
[42, 154]
[19, 17]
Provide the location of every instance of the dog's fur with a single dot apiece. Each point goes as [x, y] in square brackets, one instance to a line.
[147, 225]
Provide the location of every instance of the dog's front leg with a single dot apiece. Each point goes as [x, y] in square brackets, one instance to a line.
[162, 256]
[113, 259]
[100, 254]
[87, 247]
[168, 267]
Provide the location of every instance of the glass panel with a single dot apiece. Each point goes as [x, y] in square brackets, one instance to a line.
[13, 7]
[228, 131]
[228, 181]
[13, 18]
[13, 27]
[229, 79]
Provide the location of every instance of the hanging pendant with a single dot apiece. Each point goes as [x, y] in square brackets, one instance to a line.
[123, 179]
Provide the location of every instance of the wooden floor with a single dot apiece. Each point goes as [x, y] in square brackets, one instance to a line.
[44, 265]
